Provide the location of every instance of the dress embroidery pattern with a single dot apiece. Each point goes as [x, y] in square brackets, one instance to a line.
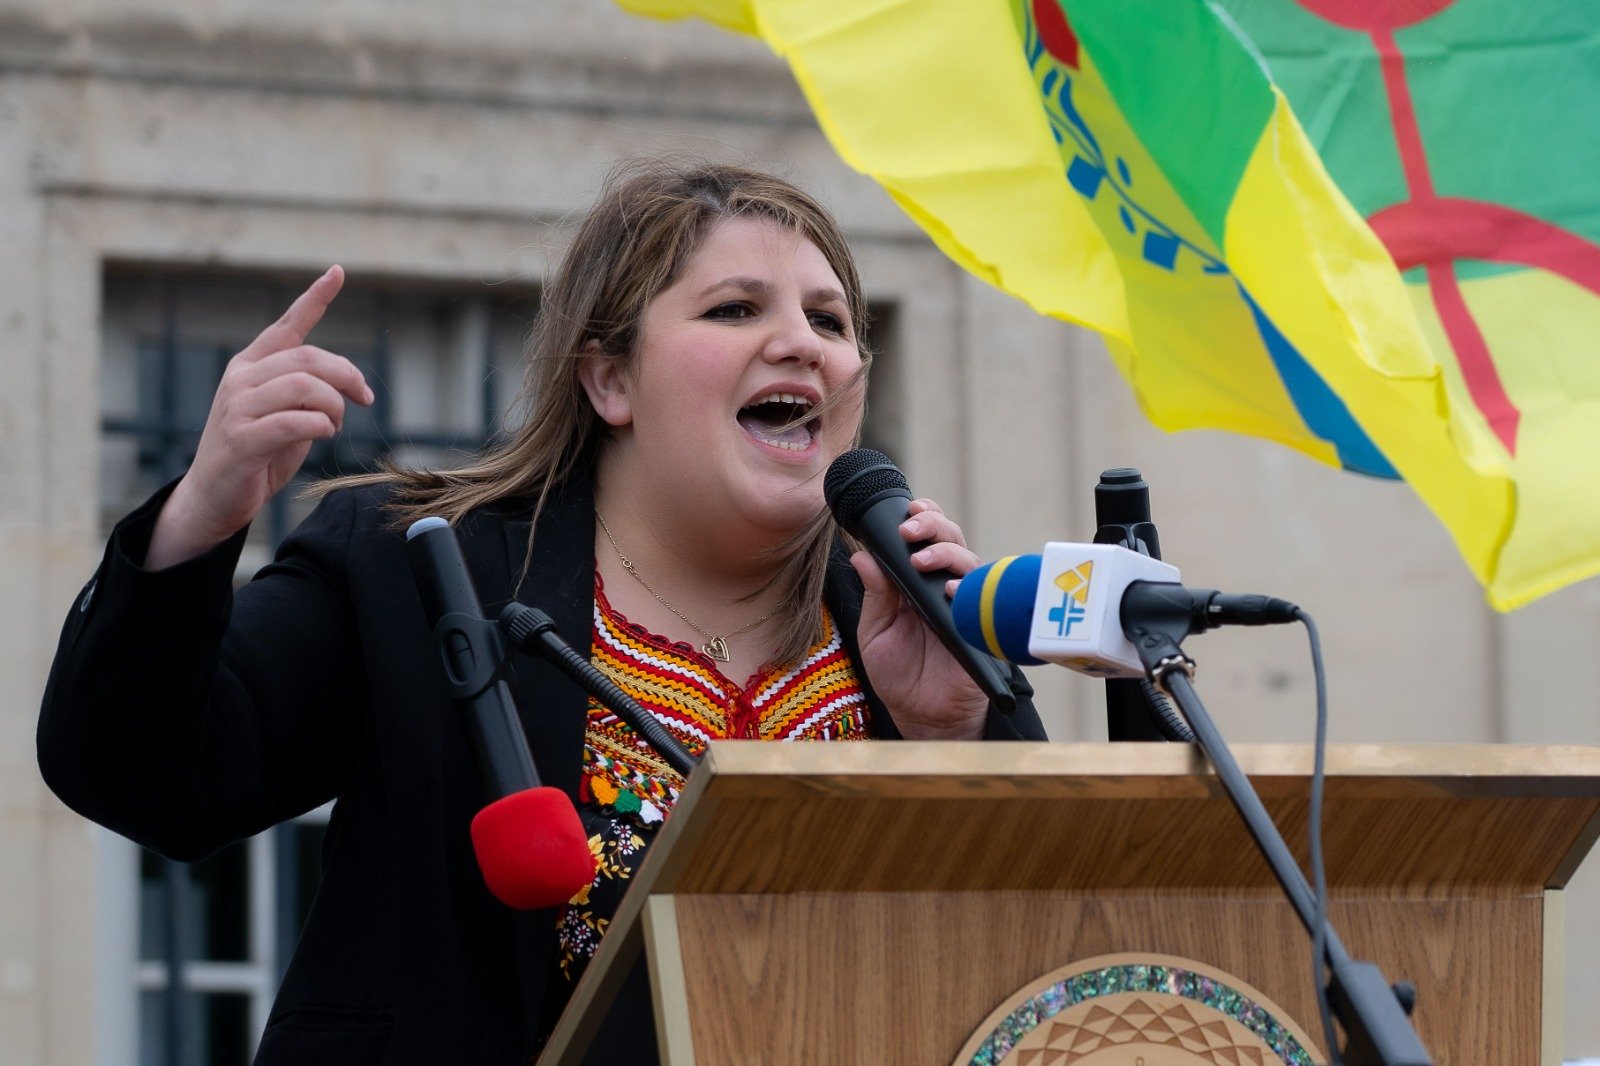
[626, 791]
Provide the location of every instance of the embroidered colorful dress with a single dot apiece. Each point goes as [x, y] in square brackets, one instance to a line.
[626, 791]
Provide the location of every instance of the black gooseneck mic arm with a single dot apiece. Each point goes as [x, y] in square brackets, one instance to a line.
[1374, 1015]
[532, 630]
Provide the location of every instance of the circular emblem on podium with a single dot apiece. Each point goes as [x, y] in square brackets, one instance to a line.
[1138, 1010]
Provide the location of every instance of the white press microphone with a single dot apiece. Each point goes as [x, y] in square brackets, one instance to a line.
[1062, 607]
[1072, 604]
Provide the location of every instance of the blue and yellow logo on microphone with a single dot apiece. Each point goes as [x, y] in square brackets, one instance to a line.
[1074, 585]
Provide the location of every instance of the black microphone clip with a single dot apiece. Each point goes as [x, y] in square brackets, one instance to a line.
[473, 656]
[472, 653]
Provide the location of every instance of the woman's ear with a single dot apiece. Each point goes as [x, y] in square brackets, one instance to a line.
[606, 382]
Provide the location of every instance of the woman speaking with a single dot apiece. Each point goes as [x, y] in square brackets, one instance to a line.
[695, 367]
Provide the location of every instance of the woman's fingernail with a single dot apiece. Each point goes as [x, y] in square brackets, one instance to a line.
[922, 556]
[911, 525]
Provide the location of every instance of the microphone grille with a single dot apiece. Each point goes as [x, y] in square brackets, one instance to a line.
[856, 478]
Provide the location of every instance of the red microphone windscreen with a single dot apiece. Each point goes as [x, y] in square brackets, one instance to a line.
[532, 849]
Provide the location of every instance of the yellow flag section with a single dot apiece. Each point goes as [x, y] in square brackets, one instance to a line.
[1544, 329]
[1433, 441]
[1128, 166]
[963, 153]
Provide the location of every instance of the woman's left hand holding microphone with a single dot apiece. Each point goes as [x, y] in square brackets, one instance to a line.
[276, 397]
[927, 691]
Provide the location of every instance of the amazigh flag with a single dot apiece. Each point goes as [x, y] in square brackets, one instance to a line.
[1466, 133]
[1130, 165]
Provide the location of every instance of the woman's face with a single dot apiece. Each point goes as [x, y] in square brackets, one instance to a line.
[754, 332]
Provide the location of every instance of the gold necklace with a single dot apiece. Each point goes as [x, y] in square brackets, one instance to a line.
[715, 647]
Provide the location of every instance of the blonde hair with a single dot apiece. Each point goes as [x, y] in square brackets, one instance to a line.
[650, 218]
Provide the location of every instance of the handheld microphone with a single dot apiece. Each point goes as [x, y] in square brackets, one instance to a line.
[530, 845]
[870, 498]
[1074, 605]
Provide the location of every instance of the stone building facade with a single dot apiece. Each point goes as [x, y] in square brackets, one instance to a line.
[168, 169]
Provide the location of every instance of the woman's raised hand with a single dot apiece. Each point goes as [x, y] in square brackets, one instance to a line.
[276, 397]
[926, 690]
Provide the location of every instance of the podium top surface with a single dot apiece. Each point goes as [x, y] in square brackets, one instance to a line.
[1402, 823]
[952, 817]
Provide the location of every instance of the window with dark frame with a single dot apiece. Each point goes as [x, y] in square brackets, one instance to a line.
[444, 361]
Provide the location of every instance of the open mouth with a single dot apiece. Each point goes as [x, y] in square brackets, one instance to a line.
[781, 419]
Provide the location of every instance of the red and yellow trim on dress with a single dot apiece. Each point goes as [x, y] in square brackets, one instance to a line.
[819, 698]
[626, 791]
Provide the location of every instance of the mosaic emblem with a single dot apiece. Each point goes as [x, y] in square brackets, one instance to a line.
[1138, 1010]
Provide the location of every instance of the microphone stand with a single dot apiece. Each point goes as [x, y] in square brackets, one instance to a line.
[1374, 1016]
[1122, 515]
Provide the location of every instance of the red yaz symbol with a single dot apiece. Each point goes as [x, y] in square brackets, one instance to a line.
[1057, 35]
[1375, 16]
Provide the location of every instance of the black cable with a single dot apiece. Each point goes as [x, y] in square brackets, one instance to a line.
[1372, 1012]
[1319, 873]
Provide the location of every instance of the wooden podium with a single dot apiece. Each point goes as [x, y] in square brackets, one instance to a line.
[880, 902]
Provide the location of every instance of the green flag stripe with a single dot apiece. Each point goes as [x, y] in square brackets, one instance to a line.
[1190, 89]
[1502, 93]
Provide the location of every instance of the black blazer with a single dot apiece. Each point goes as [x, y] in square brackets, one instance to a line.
[187, 716]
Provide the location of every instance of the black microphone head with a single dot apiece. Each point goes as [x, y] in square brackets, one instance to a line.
[857, 480]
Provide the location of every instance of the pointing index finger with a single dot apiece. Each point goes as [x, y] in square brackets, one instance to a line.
[302, 315]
